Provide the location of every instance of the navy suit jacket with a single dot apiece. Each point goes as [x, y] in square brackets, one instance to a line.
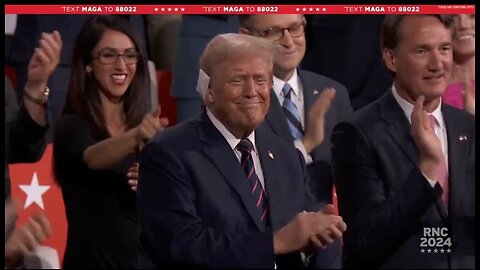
[385, 199]
[321, 181]
[195, 205]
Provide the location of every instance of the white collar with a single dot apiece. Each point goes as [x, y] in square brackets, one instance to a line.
[407, 108]
[232, 141]
[278, 84]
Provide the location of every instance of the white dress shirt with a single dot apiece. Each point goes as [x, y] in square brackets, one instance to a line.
[298, 100]
[233, 142]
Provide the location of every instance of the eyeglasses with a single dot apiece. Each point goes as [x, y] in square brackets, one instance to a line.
[277, 33]
[109, 56]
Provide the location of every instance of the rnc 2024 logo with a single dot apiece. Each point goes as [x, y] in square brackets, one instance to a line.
[435, 240]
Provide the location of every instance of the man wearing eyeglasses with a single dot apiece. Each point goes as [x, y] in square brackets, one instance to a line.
[293, 113]
[294, 107]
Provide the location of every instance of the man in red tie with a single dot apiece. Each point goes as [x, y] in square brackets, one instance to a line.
[392, 167]
[222, 190]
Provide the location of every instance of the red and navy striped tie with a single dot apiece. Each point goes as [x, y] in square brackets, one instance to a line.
[245, 147]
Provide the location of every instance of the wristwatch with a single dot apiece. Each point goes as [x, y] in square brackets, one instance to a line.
[41, 100]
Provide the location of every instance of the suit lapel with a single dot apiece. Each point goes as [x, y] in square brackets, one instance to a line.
[276, 119]
[272, 175]
[398, 126]
[308, 88]
[224, 159]
[457, 157]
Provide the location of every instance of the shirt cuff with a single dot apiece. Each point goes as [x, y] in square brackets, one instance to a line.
[299, 145]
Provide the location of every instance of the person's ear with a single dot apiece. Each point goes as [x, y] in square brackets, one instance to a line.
[389, 59]
[209, 98]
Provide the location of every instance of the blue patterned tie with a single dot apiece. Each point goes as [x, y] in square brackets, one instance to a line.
[245, 147]
[292, 113]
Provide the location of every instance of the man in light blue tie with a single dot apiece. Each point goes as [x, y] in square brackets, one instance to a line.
[291, 113]
[295, 106]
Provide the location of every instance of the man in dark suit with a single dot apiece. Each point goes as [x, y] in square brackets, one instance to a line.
[221, 190]
[299, 122]
[195, 32]
[404, 165]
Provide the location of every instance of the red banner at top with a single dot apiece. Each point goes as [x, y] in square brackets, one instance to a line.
[239, 9]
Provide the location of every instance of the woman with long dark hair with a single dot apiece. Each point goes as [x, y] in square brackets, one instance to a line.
[104, 122]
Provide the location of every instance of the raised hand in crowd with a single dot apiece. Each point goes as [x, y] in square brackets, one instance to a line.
[427, 142]
[42, 64]
[315, 131]
[151, 124]
[25, 238]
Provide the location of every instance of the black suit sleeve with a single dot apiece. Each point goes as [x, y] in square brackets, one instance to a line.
[172, 231]
[24, 139]
[311, 204]
[27, 139]
[377, 221]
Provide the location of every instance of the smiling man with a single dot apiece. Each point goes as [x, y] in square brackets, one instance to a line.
[295, 107]
[221, 190]
[405, 164]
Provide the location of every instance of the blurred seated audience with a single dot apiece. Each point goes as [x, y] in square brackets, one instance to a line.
[24, 239]
[460, 92]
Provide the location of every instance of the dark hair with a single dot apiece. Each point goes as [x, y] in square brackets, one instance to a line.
[83, 91]
[389, 34]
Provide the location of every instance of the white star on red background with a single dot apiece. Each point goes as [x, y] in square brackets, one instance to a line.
[34, 192]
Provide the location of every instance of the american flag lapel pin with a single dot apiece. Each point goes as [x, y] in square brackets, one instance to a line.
[270, 154]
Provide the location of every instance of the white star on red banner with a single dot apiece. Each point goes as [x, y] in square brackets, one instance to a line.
[34, 192]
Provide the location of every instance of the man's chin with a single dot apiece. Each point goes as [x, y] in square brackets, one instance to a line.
[251, 125]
